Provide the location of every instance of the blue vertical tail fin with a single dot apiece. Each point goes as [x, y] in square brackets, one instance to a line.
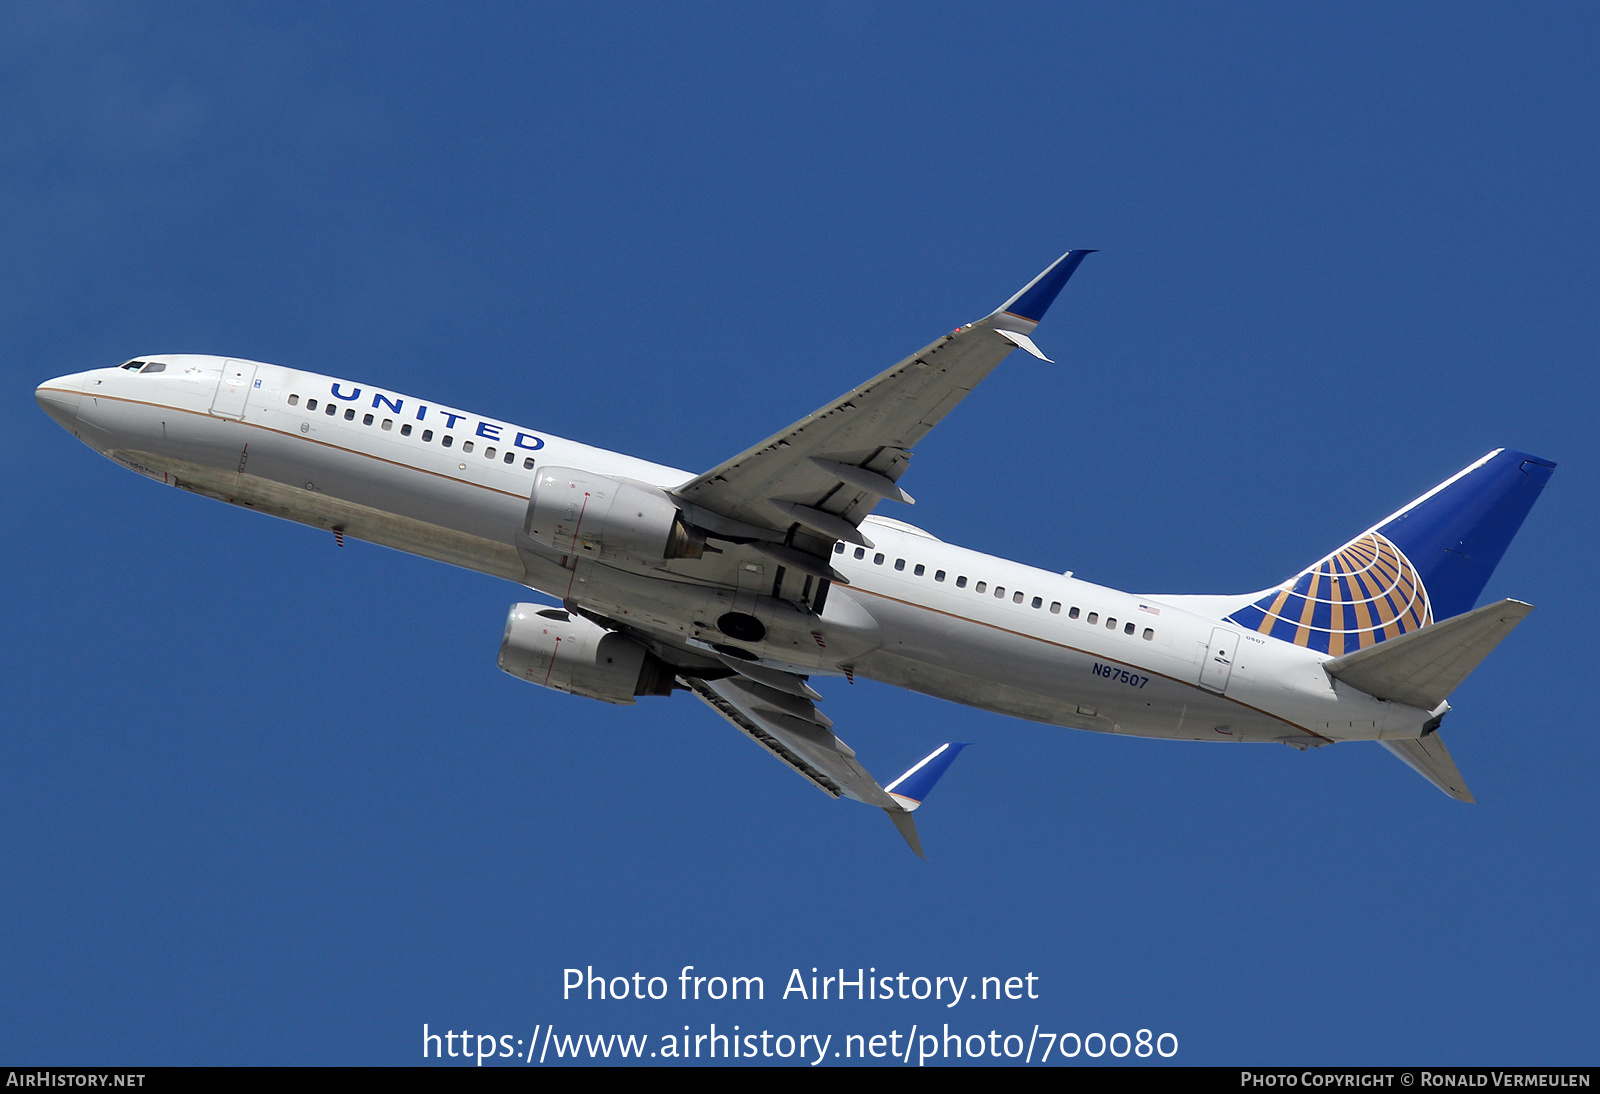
[1429, 561]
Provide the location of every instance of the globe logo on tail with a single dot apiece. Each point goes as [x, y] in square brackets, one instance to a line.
[1362, 594]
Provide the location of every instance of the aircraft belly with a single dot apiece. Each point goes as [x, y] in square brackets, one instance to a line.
[1030, 677]
[680, 610]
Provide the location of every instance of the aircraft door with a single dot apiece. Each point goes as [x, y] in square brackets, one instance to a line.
[233, 389]
[1220, 655]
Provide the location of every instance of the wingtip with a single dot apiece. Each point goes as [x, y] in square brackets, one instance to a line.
[912, 787]
[1037, 295]
[908, 830]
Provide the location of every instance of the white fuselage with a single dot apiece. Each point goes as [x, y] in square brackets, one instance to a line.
[918, 613]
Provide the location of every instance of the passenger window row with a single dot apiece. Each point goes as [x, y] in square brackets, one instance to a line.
[1017, 596]
[446, 441]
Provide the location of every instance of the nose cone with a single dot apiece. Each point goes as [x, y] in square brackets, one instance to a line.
[59, 398]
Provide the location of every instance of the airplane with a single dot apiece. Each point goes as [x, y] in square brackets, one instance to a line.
[742, 583]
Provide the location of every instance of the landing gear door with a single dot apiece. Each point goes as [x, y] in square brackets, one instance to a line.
[233, 390]
[1220, 656]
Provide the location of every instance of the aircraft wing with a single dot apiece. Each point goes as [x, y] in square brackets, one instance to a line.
[826, 472]
[789, 725]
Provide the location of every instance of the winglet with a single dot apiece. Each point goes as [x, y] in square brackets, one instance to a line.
[910, 789]
[1037, 295]
[907, 828]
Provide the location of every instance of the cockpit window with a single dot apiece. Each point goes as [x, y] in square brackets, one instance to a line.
[154, 366]
[135, 365]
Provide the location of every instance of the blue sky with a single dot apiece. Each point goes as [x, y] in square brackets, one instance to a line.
[269, 801]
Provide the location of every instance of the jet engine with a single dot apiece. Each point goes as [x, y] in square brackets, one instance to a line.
[567, 652]
[581, 513]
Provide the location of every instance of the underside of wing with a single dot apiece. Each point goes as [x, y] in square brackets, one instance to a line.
[819, 477]
[780, 716]
[791, 728]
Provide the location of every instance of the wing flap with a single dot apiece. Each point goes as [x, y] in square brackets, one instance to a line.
[801, 741]
[763, 737]
[790, 727]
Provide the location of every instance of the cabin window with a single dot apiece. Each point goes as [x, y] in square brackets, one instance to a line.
[427, 434]
[877, 559]
[1111, 624]
[294, 400]
[1092, 618]
[1055, 607]
[447, 440]
[1016, 598]
[366, 420]
[1148, 634]
[405, 430]
[980, 586]
[999, 592]
[1073, 614]
[511, 457]
[920, 570]
[466, 446]
[388, 424]
[938, 575]
[1127, 628]
[330, 410]
[961, 582]
[350, 414]
[528, 463]
[311, 404]
[488, 453]
[1038, 602]
[838, 548]
[861, 552]
[899, 564]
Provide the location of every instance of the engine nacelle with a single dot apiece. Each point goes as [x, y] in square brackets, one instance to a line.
[556, 649]
[581, 513]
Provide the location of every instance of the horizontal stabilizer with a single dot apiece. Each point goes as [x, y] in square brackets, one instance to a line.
[1423, 667]
[1428, 757]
